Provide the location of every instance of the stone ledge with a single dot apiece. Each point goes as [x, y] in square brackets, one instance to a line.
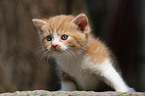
[69, 93]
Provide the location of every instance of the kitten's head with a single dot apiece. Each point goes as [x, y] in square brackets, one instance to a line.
[63, 33]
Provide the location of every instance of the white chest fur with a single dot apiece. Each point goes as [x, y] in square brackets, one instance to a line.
[86, 73]
[84, 78]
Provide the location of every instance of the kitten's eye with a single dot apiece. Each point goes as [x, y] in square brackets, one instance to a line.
[64, 37]
[49, 38]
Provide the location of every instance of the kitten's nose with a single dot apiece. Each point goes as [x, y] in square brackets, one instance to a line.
[54, 46]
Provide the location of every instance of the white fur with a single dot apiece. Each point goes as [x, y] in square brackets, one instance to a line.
[83, 72]
[84, 78]
[67, 86]
[56, 41]
[110, 75]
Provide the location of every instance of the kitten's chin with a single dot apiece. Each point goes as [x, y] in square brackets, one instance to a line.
[57, 52]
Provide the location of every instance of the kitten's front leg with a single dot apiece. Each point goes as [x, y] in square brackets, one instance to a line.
[67, 84]
[112, 77]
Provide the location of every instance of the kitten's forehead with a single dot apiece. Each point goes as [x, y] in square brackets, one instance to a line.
[60, 23]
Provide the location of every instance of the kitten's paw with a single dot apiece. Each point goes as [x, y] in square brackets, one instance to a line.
[68, 86]
[65, 90]
[126, 90]
[131, 90]
[61, 90]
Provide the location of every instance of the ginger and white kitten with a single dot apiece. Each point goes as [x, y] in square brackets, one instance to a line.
[83, 61]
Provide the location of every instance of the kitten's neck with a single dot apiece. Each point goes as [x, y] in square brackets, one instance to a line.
[69, 54]
[69, 60]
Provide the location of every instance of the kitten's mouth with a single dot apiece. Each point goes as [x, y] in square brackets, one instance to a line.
[56, 50]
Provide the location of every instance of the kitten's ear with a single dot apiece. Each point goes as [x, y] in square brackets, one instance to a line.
[81, 21]
[39, 23]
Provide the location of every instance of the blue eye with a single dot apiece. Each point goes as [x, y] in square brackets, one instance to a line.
[49, 38]
[64, 37]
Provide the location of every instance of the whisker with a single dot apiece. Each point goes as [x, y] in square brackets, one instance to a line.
[41, 58]
[77, 52]
[72, 53]
[48, 56]
[68, 59]
[38, 54]
[38, 51]
[44, 53]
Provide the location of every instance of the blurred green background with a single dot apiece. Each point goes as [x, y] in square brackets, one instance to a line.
[119, 23]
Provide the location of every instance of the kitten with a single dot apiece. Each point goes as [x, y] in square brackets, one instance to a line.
[83, 61]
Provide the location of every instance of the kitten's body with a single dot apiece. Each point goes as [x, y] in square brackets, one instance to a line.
[82, 60]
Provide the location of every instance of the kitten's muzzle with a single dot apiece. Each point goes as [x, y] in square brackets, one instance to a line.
[55, 47]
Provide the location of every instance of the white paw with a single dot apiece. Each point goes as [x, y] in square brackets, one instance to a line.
[131, 90]
[66, 90]
[67, 86]
[61, 90]
[126, 90]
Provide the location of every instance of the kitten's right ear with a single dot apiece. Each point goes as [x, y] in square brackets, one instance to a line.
[39, 23]
[81, 21]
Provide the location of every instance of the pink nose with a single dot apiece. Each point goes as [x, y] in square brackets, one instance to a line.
[54, 46]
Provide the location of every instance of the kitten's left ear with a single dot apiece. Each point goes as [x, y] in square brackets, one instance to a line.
[81, 21]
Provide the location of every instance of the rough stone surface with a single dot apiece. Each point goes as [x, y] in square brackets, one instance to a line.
[73, 93]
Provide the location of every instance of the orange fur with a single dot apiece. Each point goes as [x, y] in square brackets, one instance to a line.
[96, 51]
[63, 25]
